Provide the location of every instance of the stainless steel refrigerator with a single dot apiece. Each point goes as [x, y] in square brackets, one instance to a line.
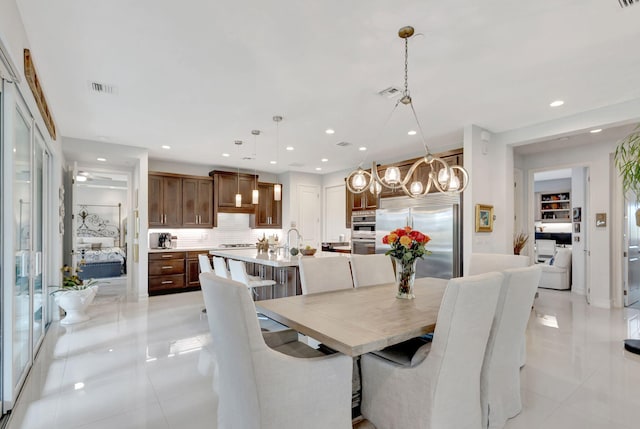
[438, 216]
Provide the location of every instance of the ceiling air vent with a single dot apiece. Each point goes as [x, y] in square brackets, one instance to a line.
[343, 144]
[625, 3]
[392, 91]
[102, 88]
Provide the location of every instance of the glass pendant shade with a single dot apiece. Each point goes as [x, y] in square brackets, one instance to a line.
[454, 183]
[375, 188]
[254, 196]
[443, 176]
[277, 192]
[358, 181]
[392, 175]
[416, 188]
[238, 200]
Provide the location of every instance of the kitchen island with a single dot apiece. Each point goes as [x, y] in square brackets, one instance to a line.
[281, 267]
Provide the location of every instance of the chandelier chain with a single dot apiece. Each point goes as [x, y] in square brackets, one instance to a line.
[406, 67]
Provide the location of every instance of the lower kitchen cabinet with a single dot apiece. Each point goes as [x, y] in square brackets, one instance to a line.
[193, 267]
[171, 272]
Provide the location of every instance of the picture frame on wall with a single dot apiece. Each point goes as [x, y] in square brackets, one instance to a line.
[484, 218]
[577, 214]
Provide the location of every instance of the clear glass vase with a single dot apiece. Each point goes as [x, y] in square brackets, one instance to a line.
[405, 277]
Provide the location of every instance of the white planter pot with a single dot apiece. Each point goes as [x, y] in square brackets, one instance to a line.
[75, 303]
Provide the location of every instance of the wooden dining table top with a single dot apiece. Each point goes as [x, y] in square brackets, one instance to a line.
[360, 320]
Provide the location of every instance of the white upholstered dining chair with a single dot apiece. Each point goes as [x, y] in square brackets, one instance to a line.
[205, 264]
[324, 274]
[480, 263]
[259, 387]
[443, 390]
[220, 267]
[500, 378]
[238, 271]
[371, 270]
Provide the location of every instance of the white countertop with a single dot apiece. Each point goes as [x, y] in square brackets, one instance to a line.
[271, 259]
[187, 249]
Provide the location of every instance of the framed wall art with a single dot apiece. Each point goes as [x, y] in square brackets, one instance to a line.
[484, 218]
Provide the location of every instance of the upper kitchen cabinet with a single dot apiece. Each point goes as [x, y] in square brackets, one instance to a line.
[177, 201]
[197, 202]
[358, 202]
[268, 212]
[165, 198]
[225, 187]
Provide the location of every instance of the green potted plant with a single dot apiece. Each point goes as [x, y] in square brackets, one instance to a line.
[627, 159]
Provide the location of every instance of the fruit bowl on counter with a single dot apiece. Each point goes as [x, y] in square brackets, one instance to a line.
[308, 251]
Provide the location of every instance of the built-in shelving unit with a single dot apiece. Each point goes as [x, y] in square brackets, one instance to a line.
[554, 206]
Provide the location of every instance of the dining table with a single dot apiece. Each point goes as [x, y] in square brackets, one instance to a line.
[356, 321]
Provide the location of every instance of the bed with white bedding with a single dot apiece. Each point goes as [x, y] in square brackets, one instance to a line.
[98, 239]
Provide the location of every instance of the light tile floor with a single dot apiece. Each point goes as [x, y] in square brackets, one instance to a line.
[149, 365]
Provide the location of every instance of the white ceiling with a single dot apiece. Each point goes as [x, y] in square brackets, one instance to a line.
[199, 74]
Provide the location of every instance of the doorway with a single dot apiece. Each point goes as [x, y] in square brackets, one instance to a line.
[99, 233]
[559, 207]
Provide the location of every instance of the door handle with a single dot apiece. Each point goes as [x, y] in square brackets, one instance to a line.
[167, 256]
[167, 282]
[167, 267]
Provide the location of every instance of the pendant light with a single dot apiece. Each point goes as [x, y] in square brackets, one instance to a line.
[277, 188]
[255, 195]
[238, 195]
[443, 177]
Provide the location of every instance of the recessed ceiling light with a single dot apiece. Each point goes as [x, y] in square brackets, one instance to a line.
[556, 103]
[289, 148]
[226, 155]
[329, 131]
[318, 169]
[597, 130]
[81, 178]
[324, 160]
[164, 146]
[273, 162]
[78, 386]
[101, 159]
[362, 148]
[412, 133]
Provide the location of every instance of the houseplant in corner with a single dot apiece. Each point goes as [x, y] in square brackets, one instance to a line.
[75, 295]
[627, 159]
[407, 245]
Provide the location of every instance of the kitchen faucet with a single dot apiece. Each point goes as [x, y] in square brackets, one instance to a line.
[288, 246]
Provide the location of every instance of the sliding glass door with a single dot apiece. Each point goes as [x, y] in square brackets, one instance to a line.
[24, 181]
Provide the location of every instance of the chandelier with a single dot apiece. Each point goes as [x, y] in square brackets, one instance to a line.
[416, 184]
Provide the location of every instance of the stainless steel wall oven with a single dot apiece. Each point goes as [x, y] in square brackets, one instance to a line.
[363, 232]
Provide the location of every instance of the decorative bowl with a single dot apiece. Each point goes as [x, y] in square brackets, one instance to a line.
[308, 252]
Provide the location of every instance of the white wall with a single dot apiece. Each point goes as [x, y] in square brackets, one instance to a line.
[490, 167]
[578, 199]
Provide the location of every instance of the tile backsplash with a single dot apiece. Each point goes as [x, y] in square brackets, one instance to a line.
[231, 229]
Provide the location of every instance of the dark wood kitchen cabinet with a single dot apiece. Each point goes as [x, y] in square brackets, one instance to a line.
[165, 198]
[197, 202]
[166, 272]
[357, 202]
[226, 185]
[193, 267]
[268, 213]
[178, 201]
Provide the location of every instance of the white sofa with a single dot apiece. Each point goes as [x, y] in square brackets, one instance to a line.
[557, 274]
